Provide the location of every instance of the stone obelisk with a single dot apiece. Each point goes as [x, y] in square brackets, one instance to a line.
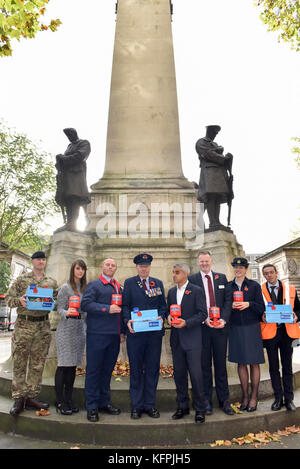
[142, 202]
[143, 158]
[143, 144]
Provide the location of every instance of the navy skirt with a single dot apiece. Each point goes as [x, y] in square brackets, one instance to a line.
[245, 344]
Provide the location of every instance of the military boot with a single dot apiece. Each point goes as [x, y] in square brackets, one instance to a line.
[18, 407]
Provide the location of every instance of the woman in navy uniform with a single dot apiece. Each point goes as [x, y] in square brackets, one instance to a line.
[245, 342]
[143, 348]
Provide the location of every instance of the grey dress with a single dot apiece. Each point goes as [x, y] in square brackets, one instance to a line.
[70, 333]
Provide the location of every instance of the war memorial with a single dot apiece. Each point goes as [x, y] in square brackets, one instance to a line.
[144, 203]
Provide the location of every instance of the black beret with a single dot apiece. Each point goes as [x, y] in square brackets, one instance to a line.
[38, 255]
[144, 259]
[240, 261]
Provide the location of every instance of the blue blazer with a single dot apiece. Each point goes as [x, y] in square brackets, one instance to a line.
[135, 296]
[96, 302]
[223, 297]
[194, 312]
[252, 293]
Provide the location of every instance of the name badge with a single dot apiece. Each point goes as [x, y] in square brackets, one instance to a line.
[221, 286]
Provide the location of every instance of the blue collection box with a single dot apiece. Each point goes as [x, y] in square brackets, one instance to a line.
[146, 320]
[281, 314]
[39, 298]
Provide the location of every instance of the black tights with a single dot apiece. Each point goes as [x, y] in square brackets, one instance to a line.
[244, 379]
[64, 381]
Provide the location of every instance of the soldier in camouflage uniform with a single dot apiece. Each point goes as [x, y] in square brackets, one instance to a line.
[31, 337]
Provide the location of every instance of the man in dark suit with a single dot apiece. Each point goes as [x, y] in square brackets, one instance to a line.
[186, 343]
[214, 339]
[143, 348]
[104, 334]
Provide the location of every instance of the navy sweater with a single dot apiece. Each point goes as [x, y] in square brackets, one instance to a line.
[96, 302]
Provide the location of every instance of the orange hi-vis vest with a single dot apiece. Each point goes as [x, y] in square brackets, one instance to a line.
[269, 330]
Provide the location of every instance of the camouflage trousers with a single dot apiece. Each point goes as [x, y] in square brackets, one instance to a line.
[30, 345]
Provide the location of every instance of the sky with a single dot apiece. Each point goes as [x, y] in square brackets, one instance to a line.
[230, 71]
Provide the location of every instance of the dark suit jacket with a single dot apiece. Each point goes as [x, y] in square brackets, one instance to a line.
[223, 297]
[193, 311]
[135, 296]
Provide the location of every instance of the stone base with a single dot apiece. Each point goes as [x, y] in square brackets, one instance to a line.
[224, 247]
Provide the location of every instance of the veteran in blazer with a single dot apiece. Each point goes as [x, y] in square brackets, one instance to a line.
[105, 331]
[186, 341]
[143, 348]
[214, 339]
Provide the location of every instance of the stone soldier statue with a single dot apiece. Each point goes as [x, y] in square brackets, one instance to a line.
[31, 337]
[215, 185]
[72, 191]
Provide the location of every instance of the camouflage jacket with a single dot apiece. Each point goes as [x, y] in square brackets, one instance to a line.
[19, 288]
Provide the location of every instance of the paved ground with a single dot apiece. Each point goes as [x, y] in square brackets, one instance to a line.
[18, 442]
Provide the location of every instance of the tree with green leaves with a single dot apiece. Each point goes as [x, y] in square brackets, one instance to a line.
[5, 272]
[282, 16]
[22, 19]
[27, 191]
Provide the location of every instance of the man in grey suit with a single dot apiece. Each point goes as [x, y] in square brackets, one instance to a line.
[214, 339]
[186, 343]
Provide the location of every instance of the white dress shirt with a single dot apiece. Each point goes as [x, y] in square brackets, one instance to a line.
[205, 284]
[180, 292]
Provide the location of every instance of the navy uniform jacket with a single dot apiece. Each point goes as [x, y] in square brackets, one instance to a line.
[96, 302]
[223, 297]
[252, 293]
[134, 295]
[193, 311]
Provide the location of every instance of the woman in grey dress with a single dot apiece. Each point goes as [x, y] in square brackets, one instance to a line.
[70, 338]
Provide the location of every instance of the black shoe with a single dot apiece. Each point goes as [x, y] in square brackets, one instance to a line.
[290, 406]
[109, 409]
[208, 409]
[73, 407]
[18, 407]
[227, 409]
[92, 415]
[252, 408]
[277, 404]
[180, 413]
[244, 406]
[199, 417]
[63, 408]
[35, 404]
[153, 412]
[136, 414]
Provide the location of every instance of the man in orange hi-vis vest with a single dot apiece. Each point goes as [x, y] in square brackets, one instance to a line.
[279, 337]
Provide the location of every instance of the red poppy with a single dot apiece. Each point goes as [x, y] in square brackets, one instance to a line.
[217, 276]
[152, 284]
[187, 292]
[246, 289]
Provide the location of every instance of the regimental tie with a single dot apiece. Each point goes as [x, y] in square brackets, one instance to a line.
[210, 292]
[273, 295]
[144, 284]
[113, 283]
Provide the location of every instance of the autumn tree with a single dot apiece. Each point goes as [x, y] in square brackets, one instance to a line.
[21, 19]
[27, 189]
[282, 16]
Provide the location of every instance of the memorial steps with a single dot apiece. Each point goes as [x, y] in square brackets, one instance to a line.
[122, 431]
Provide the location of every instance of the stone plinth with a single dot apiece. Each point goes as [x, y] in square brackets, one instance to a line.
[224, 247]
